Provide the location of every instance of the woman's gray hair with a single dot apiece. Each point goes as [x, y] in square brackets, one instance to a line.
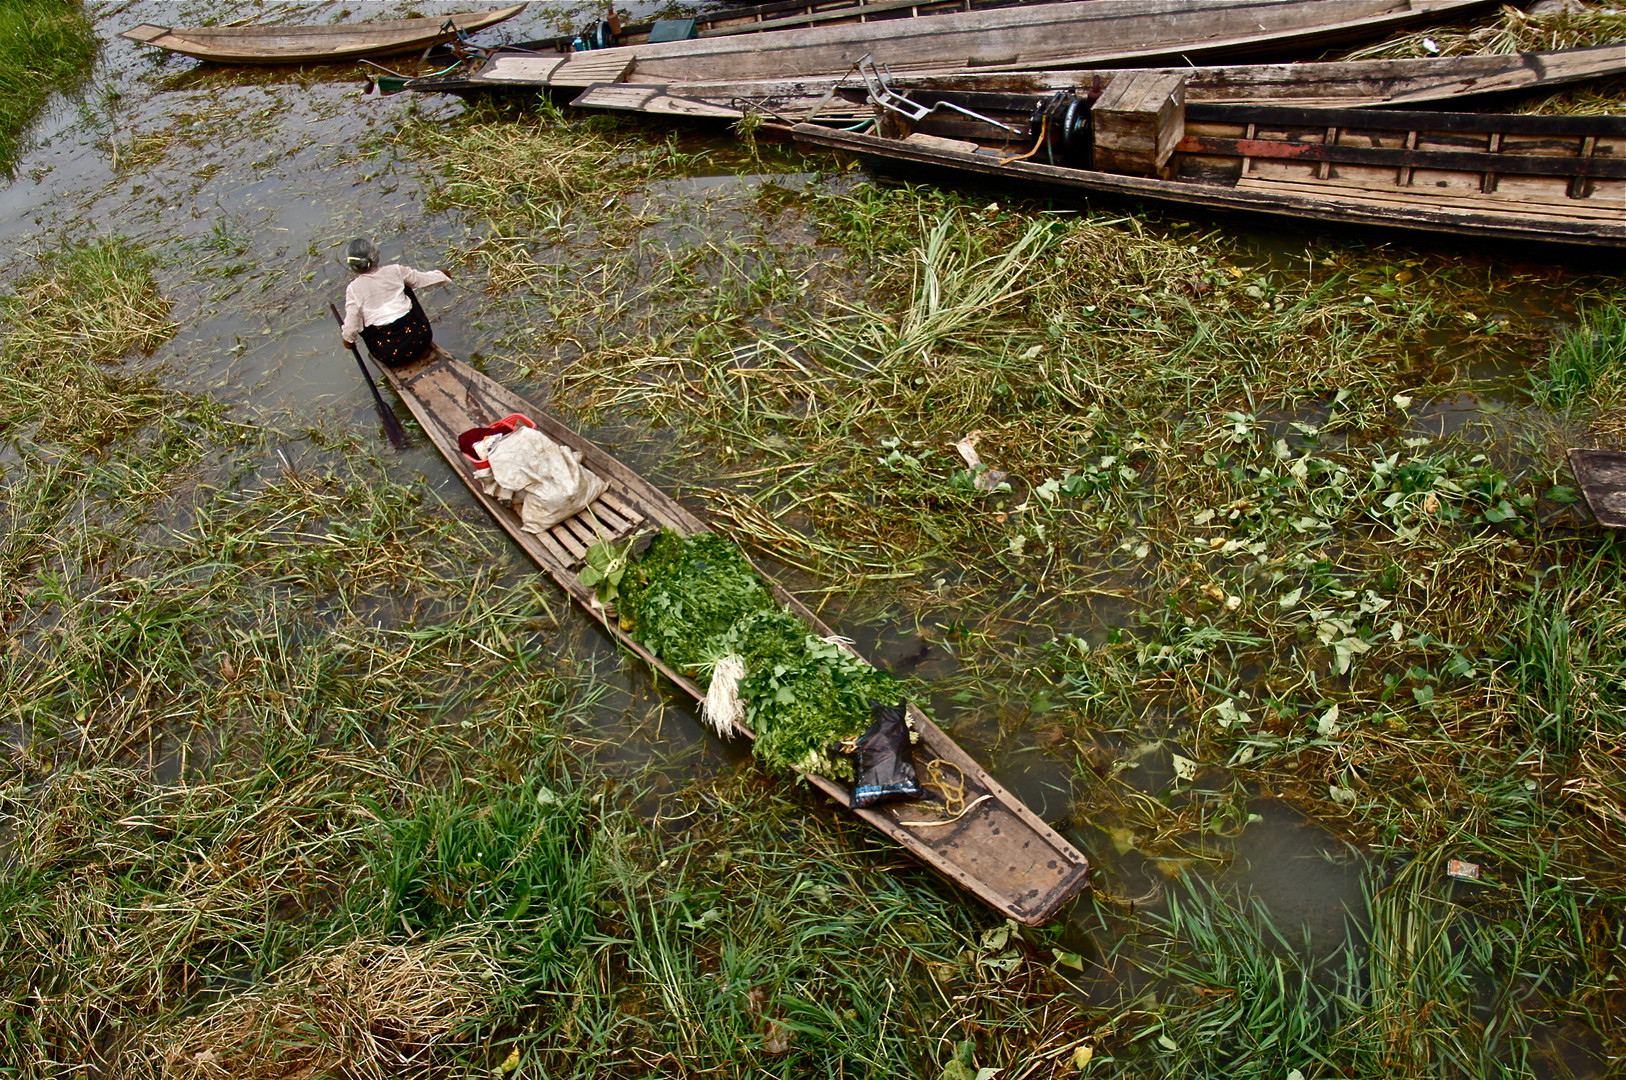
[362, 255]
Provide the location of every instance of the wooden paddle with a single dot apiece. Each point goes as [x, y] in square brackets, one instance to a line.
[392, 426]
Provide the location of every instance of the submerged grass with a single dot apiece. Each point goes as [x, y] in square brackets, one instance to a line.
[66, 327]
[46, 47]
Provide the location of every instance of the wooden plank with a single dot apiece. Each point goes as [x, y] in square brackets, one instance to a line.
[1558, 207]
[555, 551]
[521, 69]
[613, 522]
[614, 501]
[1138, 120]
[1400, 157]
[615, 96]
[584, 69]
[1396, 120]
[935, 142]
[581, 529]
[653, 100]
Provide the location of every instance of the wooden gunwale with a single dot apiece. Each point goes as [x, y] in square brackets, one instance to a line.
[309, 43]
[1455, 212]
[999, 851]
[1390, 120]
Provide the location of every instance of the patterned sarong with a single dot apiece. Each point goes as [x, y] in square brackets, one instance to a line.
[402, 341]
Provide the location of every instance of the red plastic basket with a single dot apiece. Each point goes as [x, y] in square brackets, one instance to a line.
[505, 426]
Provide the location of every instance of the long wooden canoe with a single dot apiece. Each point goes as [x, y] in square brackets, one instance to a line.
[314, 44]
[1533, 179]
[760, 18]
[1082, 33]
[1342, 84]
[998, 850]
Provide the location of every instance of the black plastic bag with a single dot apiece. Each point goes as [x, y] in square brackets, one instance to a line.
[884, 768]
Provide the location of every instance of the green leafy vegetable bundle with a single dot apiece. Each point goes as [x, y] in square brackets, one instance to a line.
[687, 591]
[695, 599]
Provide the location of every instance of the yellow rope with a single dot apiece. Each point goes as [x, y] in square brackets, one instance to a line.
[952, 792]
[1044, 122]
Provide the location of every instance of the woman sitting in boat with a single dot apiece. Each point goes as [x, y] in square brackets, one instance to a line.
[380, 306]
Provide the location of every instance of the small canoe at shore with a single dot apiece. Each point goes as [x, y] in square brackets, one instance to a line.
[1504, 177]
[1083, 33]
[315, 44]
[997, 849]
[1435, 80]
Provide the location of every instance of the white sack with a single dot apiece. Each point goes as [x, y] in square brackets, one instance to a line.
[550, 478]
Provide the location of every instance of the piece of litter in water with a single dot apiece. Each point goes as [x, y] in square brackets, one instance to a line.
[1462, 871]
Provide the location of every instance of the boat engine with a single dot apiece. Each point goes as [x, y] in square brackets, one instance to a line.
[1065, 119]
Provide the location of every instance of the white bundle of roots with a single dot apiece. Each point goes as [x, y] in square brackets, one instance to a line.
[723, 709]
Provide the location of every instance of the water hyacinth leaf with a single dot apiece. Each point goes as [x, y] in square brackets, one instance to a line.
[1068, 959]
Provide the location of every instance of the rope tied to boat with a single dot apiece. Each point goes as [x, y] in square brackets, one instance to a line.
[950, 791]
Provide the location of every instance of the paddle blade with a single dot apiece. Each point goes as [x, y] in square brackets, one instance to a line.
[392, 426]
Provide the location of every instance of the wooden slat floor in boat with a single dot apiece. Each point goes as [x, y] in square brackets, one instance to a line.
[1483, 202]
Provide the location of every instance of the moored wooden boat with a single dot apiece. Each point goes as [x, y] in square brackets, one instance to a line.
[759, 18]
[1443, 80]
[314, 44]
[1539, 179]
[997, 849]
[1082, 33]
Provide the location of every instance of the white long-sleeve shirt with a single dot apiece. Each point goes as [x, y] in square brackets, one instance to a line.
[379, 296]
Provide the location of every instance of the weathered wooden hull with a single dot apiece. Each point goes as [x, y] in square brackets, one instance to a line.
[999, 851]
[1601, 475]
[315, 44]
[1527, 179]
[789, 14]
[1083, 33]
[1343, 84]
